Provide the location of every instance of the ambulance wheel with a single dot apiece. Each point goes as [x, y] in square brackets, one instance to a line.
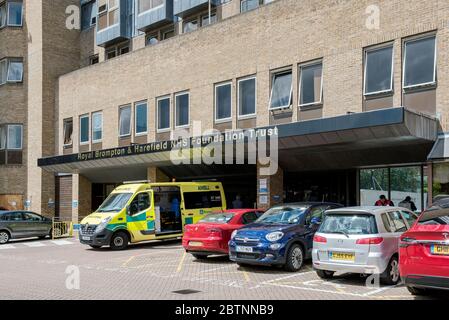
[119, 241]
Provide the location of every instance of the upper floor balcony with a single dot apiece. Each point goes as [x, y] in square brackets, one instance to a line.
[153, 13]
[114, 21]
[183, 8]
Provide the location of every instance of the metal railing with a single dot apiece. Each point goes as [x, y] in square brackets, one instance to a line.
[61, 228]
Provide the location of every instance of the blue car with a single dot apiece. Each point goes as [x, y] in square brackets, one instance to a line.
[283, 236]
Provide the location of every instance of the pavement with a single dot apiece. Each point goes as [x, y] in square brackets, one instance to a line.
[66, 269]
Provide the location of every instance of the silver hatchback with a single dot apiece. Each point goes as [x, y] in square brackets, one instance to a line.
[362, 240]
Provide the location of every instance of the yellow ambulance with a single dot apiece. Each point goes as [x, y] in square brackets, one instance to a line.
[143, 211]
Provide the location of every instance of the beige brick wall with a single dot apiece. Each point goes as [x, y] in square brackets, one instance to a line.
[284, 33]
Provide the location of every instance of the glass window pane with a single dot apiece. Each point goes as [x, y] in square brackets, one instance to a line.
[102, 21]
[97, 126]
[440, 180]
[113, 17]
[2, 15]
[419, 62]
[182, 110]
[2, 138]
[14, 13]
[311, 84]
[163, 113]
[14, 137]
[3, 71]
[247, 5]
[168, 34]
[281, 93]
[152, 40]
[125, 121]
[379, 70]
[223, 101]
[406, 187]
[205, 19]
[88, 12]
[15, 71]
[68, 132]
[141, 118]
[373, 184]
[190, 26]
[247, 97]
[84, 129]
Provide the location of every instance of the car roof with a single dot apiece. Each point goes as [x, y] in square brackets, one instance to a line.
[306, 204]
[241, 211]
[365, 209]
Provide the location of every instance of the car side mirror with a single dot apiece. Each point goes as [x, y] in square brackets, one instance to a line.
[315, 221]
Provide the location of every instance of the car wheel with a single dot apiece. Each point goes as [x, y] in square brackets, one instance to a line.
[4, 237]
[391, 275]
[119, 241]
[417, 291]
[295, 258]
[324, 274]
[200, 256]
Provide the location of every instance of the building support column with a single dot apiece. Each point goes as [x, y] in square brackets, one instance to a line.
[154, 174]
[270, 189]
[81, 198]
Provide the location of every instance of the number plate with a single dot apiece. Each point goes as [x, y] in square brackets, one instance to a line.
[340, 256]
[195, 244]
[244, 249]
[86, 238]
[439, 250]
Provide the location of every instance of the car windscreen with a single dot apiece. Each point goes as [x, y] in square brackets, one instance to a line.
[283, 215]
[349, 224]
[115, 202]
[435, 216]
[217, 218]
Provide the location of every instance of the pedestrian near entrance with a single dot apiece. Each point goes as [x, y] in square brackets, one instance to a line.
[384, 202]
[408, 203]
[237, 203]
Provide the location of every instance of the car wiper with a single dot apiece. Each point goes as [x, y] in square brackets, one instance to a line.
[342, 232]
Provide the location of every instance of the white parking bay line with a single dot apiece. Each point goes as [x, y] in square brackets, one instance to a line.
[34, 244]
[7, 246]
[62, 242]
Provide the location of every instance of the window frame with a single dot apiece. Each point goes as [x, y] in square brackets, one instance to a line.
[9, 60]
[92, 126]
[136, 105]
[184, 23]
[404, 60]
[8, 24]
[7, 147]
[175, 113]
[216, 86]
[5, 61]
[149, 10]
[150, 36]
[167, 30]
[130, 121]
[4, 5]
[300, 68]
[374, 49]
[107, 12]
[205, 17]
[273, 76]
[64, 131]
[161, 130]
[252, 115]
[83, 143]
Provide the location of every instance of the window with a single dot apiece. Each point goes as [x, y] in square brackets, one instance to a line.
[11, 144]
[11, 14]
[205, 19]
[398, 223]
[182, 109]
[111, 53]
[168, 33]
[410, 217]
[88, 15]
[247, 5]
[3, 15]
[281, 91]
[14, 137]
[84, 129]
[420, 62]
[316, 213]
[123, 50]
[249, 217]
[247, 97]
[223, 101]
[163, 114]
[191, 25]
[3, 71]
[11, 70]
[141, 118]
[2, 137]
[125, 121]
[97, 126]
[145, 5]
[68, 132]
[202, 200]
[378, 70]
[94, 60]
[140, 203]
[310, 86]
[109, 14]
[350, 224]
[151, 40]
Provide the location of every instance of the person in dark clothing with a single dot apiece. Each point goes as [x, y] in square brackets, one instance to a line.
[408, 203]
[384, 202]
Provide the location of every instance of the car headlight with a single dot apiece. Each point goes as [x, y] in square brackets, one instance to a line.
[103, 224]
[274, 236]
[234, 233]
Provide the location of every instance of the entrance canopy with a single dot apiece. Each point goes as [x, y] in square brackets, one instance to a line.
[440, 150]
[387, 136]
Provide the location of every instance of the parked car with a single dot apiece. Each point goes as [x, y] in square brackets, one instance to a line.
[362, 240]
[283, 236]
[424, 251]
[211, 235]
[23, 224]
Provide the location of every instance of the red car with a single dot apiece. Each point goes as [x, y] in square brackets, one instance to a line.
[424, 251]
[210, 236]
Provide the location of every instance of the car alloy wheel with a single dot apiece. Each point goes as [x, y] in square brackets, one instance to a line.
[297, 258]
[394, 272]
[4, 237]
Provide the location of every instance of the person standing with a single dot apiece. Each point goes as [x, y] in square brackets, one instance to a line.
[237, 203]
[384, 202]
[408, 203]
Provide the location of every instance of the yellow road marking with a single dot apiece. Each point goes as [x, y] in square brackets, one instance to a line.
[181, 262]
[246, 276]
[125, 264]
